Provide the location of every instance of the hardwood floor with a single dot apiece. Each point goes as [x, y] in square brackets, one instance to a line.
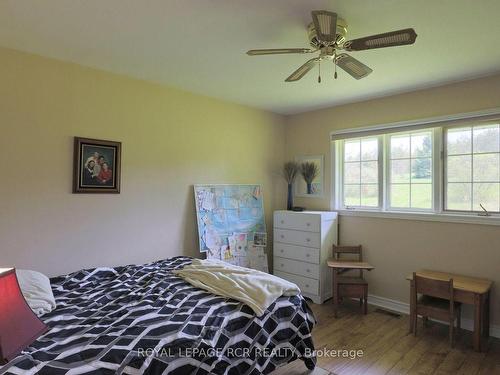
[389, 349]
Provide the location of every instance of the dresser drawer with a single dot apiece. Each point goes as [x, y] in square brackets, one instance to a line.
[305, 284]
[294, 237]
[297, 221]
[296, 267]
[302, 253]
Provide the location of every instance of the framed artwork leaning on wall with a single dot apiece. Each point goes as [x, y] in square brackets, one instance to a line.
[315, 188]
[96, 166]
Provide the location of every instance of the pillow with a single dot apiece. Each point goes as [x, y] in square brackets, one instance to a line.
[37, 291]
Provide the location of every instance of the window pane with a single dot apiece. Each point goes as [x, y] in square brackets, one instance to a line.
[486, 138]
[487, 195]
[352, 195]
[400, 171]
[352, 173]
[400, 195]
[421, 171]
[369, 149]
[459, 168]
[369, 195]
[421, 196]
[459, 141]
[352, 150]
[369, 172]
[486, 167]
[360, 172]
[400, 146]
[421, 145]
[459, 196]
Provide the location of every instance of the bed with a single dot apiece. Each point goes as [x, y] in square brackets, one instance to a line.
[142, 319]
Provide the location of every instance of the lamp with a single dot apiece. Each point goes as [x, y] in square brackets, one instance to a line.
[19, 326]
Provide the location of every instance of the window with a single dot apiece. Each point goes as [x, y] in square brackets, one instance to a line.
[361, 176]
[410, 168]
[435, 169]
[473, 168]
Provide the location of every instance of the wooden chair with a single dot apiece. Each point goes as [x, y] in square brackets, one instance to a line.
[349, 286]
[436, 301]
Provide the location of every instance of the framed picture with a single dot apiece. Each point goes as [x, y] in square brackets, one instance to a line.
[315, 188]
[96, 167]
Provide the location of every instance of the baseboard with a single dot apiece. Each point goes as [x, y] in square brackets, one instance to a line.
[404, 308]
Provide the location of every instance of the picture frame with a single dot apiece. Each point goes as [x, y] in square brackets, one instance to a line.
[318, 183]
[96, 166]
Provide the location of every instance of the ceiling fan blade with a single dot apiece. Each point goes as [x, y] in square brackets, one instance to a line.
[390, 39]
[278, 51]
[302, 71]
[325, 24]
[352, 66]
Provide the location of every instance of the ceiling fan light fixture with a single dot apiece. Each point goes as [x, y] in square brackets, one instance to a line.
[327, 36]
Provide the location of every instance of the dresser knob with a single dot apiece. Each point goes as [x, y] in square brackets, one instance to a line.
[281, 250]
[282, 236]
[308, 239]
[282, 265]
[308, 224]
[308, 270]
[282, 221]
[307, 285]
[307, 255]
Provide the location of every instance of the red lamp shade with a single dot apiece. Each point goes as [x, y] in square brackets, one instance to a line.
[19, 326]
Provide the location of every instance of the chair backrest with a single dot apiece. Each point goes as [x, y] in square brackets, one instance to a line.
[357, 251]
[433, 288]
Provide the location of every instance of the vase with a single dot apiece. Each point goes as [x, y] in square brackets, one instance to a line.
[309, 188]
[289, 202]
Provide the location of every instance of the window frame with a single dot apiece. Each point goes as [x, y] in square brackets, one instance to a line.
[439, 127]
[434, 171]
[341, 164]
[445, 169]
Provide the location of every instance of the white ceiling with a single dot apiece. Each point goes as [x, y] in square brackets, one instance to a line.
[199, 45]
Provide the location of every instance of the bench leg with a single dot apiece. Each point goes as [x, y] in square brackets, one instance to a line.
[412, 307]
[478, 319]
[335, 293]
[365, 301]
[486, 320]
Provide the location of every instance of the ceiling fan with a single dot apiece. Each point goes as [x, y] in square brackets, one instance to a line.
[327, 36]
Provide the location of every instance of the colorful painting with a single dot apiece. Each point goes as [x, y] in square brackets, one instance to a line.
[230, 218]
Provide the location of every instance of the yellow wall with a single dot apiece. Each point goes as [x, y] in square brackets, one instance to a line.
[171, 140]
[398, 247]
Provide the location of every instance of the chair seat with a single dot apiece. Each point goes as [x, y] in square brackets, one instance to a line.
[350, 280]
[436, 303]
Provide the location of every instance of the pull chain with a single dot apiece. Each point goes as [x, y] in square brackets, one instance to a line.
[319, 71]
[335, 64]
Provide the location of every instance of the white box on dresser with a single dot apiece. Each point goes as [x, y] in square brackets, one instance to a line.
[302, 244]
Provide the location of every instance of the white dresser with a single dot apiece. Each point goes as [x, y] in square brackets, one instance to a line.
[302, 244]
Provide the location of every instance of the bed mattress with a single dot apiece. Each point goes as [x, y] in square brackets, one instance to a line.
[142, 319]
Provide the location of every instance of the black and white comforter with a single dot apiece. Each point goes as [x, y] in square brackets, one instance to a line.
[142, 319]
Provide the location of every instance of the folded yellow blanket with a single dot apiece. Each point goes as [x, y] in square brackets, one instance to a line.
[255, 288]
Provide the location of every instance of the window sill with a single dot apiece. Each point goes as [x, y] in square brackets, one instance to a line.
[421, 216]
